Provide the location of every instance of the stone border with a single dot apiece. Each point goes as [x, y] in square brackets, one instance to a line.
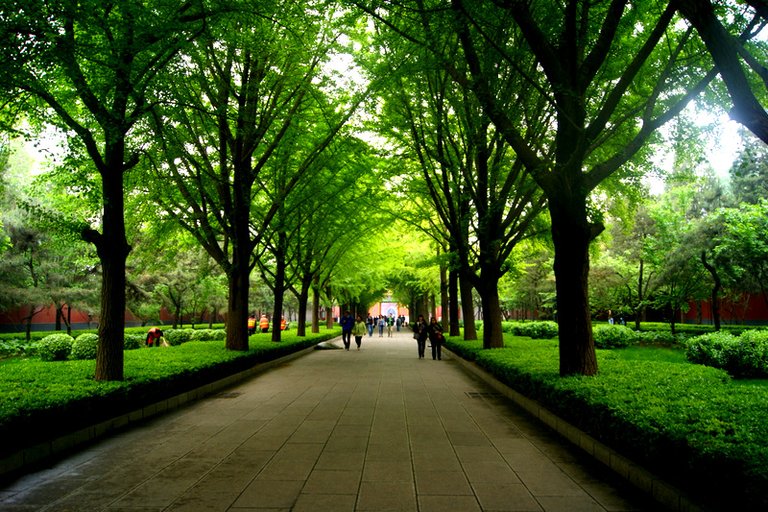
[649, 483]
[27, 457]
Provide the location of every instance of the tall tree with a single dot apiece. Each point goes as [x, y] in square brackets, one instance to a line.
[234, 104]
[89, 66]
[611, 75]
[483, 199]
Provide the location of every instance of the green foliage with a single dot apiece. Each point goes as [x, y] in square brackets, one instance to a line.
[208, 335]
[741, 356]
[133, 341]
[613, 336]
[55, 347]
[546, 329]
[85, 346]
[178, 336]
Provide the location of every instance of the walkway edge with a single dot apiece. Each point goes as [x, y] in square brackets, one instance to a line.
[16, 463]
[666, 494]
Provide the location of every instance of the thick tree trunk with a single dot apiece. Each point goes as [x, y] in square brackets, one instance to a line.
[112, 248]
[571, 240]
[237, 308]
[489, 296]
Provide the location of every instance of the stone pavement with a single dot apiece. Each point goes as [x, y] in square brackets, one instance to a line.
[370, 430]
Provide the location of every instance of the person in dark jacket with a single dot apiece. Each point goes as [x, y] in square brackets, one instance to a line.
[347, 323]
[436, 339]
[420, 334]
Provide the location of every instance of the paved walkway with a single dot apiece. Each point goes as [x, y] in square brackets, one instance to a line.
[337, 431]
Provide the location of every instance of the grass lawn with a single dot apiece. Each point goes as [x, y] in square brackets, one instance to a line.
[692, 424]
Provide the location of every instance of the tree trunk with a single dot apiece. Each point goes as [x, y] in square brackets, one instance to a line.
[444, 297]
[280, 265]
[453, 298]
[316, 307]
[467, 307]
[489, 296]
[112, 248]
[571, 241]
[303, 298]
[715, 296]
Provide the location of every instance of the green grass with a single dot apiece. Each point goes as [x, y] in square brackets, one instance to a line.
[693, 424]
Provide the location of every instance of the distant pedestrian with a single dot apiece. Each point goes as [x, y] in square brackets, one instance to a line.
[436, 338]
[264, 323]
[358, 331]
[251, 325]
[369, 324]
[390, 324]
[420, 335]
[382, 323]
[347, 323]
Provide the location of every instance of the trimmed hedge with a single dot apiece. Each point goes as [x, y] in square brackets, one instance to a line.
[741, 356]
[538, 330]
[691, 424]
[613, 336]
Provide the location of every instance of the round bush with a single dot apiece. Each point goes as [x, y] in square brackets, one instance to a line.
[85, 346]
[133, 341]
[55, 347]
[178, 336]
[543, 330]
[613, 336]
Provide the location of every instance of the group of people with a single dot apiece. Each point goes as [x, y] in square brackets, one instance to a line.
[263, 324]
[384, 322]
[355, 326]
[432, 331]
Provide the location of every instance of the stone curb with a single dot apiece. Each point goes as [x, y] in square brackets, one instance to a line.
[27, 457]
[664, 493]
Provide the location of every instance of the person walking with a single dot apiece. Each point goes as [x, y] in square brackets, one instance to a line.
[251, 325]
[369, 323]
[347, 323]
[390, 323]
[420, 335]
[436, 338]
[382, 323]
[358, 331]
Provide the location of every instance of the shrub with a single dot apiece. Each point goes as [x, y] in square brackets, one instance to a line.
[55, 347]
[84, 346]
[208, 335]
[133, 341]
[742, 356]
[178, 336]
[660, 337]
[613, 336]
[543, 330]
